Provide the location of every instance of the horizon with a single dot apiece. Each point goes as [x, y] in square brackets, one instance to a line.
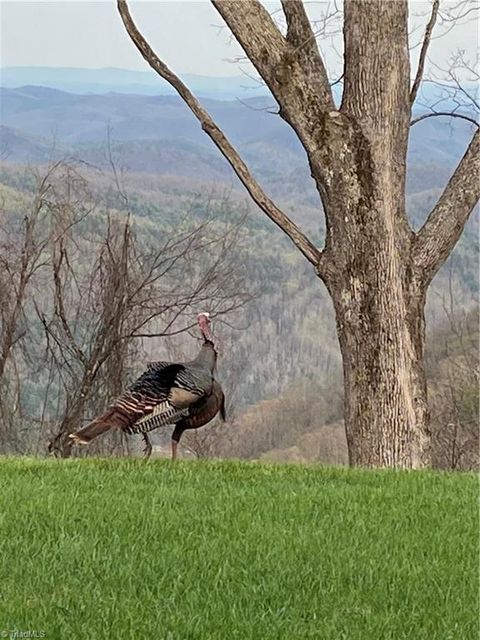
[109, 68]
[106, 68]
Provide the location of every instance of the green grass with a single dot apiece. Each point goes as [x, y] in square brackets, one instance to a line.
[221, 551]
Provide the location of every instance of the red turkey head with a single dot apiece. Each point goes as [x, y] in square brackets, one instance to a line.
[203, 320]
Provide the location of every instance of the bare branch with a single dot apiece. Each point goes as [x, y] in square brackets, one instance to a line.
[453, 85]
[337, 81]
[447, 114]
[216, 134]
[268, 50]
[301, 35]
[423, 51]
[283, 62]
[273, 109]
[452, 75]
[445, 223]
[60, 311]
[114, 168]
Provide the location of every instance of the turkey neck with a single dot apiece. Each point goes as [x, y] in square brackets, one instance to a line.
[207, 358]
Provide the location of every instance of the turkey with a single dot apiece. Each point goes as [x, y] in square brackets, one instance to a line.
[184, 394]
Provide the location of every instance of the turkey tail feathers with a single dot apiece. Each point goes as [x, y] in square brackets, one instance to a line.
[164, 413]
[112, 419]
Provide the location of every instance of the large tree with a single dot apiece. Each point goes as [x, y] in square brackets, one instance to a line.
[375, 266]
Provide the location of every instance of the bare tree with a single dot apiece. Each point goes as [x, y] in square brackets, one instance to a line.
[376, 268]
[23, 242]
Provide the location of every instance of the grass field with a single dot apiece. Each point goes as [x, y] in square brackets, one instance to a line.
[220, 551]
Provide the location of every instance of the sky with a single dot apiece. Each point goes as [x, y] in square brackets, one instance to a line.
[91, 34]
[186, 34]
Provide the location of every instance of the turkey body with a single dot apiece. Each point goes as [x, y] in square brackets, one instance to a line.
[199, 414]
[184, 394]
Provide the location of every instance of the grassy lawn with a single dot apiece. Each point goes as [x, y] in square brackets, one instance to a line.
[221, 551]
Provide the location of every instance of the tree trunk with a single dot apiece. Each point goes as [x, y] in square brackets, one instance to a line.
[381, 331]
[378, 294]
[61, 444]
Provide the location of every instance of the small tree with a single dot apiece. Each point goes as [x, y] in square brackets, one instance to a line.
[375, 266]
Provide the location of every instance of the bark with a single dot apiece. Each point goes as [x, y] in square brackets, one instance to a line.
[374, 266]
[378, 299]
[380, 323]
[444, 225]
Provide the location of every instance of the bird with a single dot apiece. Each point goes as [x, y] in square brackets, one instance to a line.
[167, 393]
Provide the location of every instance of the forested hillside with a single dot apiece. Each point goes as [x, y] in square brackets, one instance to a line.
[146, 157]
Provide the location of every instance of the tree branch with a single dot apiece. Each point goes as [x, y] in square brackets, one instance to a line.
[377, 68]
[423, 51]
[448, 114]
[278, 59]
[301, 35]
[445, 223]
[302, 243]
[292, 69]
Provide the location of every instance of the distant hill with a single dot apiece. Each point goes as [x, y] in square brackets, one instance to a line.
[113, 79]
[158, 134]
[78, 80]
[21, 147]
[84, 118]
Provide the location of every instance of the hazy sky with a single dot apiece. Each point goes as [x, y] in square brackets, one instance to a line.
[184, 33]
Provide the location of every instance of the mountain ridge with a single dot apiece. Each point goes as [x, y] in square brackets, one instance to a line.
[107, 79]
[158, 134]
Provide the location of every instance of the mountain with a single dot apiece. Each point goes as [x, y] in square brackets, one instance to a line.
[23, 148]
[84, 118]
[95, 81]
[159, 134]
[115, 80]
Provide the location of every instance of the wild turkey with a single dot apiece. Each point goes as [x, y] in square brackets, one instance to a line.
[184, 394]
